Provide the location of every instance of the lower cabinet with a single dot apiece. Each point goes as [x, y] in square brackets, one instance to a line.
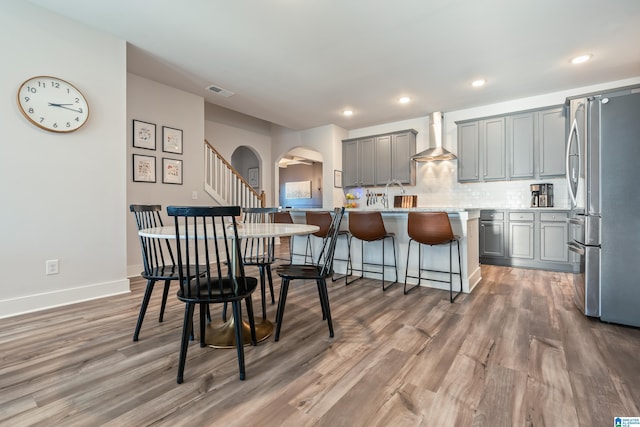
[525, 238]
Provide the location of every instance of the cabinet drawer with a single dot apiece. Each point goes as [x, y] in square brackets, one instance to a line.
[491, 216]
[554, 216]
[520, 216]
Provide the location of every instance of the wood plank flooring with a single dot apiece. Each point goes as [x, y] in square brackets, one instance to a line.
[515, 352]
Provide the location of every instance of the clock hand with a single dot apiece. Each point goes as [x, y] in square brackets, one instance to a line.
[64, 106]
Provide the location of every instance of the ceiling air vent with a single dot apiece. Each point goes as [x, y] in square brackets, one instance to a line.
[220, 91]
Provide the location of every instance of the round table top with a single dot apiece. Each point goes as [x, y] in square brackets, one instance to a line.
[244, 230]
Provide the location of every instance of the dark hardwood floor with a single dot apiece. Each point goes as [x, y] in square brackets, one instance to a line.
[515, 352]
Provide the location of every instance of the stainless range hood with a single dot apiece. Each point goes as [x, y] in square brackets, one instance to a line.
[436, 152]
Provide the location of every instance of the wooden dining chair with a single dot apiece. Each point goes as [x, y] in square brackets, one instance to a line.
[318, 272]
[211, 271]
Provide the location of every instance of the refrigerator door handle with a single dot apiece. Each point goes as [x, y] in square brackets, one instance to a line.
[573, 247]
[573, 193]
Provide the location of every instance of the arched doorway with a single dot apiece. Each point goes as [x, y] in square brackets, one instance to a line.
[300, 178]
[247, 163]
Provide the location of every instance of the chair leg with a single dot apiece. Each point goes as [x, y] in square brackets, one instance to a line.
[203, 310]
[395, 264]
[270, 279]
[284, 287]
[346, 277]
[252, 321]
[143, 307]
[237, 318]
[324, 301]
[184, 342]
[451, 297]
[165, 294]
[263, 292]
[224, 312]
[321, 296]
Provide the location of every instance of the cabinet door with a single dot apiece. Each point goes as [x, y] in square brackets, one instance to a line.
[468, 152]
[403, 146]
[553, 242]
[520, 140]
[521, 240]
[492, 239]
[551, 142]
[383, 159]
[494, 149]
[366, 159]
[350, 163]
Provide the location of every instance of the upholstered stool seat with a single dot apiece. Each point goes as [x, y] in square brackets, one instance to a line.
[432, 228]
[369, 227]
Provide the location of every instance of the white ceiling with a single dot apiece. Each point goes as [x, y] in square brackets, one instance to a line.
[300, 63]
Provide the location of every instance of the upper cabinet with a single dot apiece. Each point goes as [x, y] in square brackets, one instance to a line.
[374, 160]
[527, 145]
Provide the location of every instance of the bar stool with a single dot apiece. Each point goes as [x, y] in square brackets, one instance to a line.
[323, 220]
[432, 228]
[368, 227]
[284, 217]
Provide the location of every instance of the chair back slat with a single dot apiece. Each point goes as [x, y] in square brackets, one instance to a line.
[329, 245]
[258, 250]
[208, 236]
[157, 254]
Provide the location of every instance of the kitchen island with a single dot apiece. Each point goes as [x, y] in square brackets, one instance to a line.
[465, 223]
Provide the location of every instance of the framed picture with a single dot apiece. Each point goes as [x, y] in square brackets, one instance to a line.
[144, 135]
[171, 171]
[254, 177]
[337, 178]
[297, 190]
[144, 168]
[171, 140]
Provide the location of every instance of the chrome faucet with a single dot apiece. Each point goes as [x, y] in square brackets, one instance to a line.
[385, 199]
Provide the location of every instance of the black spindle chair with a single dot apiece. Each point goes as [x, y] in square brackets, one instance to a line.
[208, 236]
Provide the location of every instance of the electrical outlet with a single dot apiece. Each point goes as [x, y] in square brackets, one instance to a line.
[194, 195]
[52, 266]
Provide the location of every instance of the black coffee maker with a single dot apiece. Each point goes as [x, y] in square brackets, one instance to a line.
[541, 195]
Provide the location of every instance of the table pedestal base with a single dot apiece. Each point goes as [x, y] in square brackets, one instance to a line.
[223, 335]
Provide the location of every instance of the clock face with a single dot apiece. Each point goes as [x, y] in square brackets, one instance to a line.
[53, 104]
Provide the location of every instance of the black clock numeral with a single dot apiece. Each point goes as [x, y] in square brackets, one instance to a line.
[31, 89]
[68, 124]
[77, 100]
[27, 99]
[30, 110]
[55, 125]
[77, 119]
[55, 85]
[41, 119]
[42, 84]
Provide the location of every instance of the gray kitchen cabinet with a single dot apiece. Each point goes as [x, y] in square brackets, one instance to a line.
[374, 160]
[530, 238]
[492, 237]
[358, 162]
[521, 226]
[523, 145]
[553, 236]
[551, 142]
[468, 152]
[494, 149]
[520, 144]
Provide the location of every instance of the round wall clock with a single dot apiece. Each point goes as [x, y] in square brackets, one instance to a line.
[53, 104]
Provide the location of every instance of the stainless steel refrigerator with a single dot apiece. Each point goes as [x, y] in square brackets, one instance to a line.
[603, 175]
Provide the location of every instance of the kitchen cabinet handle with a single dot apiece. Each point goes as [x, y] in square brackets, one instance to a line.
[575, 248]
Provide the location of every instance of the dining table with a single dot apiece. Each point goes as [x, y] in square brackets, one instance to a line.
[221, 334]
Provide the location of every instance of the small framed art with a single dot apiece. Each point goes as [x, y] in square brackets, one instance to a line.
[254, 177]
[337, 178]
[171, 171]
[144, 168]
[171, 140]
[144, 135]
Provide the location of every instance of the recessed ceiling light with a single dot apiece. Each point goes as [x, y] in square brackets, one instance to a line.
[581, 59]
[347, 113]
[404, 100]
[478, 83]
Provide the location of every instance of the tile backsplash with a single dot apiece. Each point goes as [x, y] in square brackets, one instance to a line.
[437, 186]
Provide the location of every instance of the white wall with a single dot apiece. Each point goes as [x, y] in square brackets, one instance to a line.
[436, 182]
[63, 195]
[162, 105]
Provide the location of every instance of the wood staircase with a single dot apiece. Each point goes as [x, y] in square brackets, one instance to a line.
[225, 185]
